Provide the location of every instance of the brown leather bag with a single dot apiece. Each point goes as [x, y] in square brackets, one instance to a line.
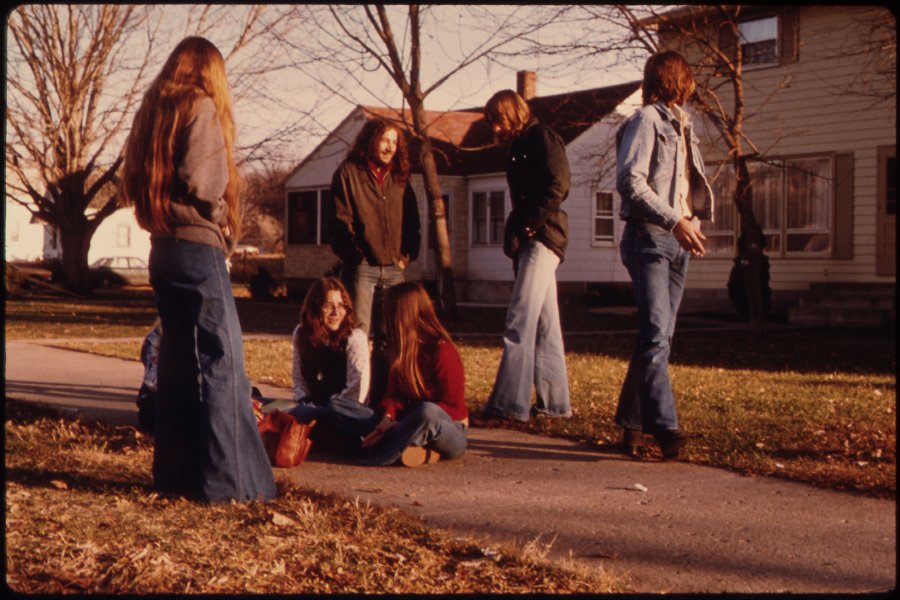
[286, 441]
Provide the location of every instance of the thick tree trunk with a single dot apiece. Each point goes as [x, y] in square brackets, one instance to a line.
[75, 245]
[750, 252]
[438, 211]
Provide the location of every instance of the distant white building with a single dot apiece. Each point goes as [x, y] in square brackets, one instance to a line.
[120, 235]
[27, 239]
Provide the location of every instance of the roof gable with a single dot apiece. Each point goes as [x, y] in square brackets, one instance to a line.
[463, 141]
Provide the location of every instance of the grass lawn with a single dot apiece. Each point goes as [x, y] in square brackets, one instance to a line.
[812, 405]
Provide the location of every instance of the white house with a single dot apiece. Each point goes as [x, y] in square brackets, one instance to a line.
[27, 239]
[120, 235]
[472, 176]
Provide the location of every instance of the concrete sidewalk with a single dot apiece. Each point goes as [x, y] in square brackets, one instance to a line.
[694, 529]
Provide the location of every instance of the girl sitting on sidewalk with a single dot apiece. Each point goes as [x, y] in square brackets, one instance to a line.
[330, 359]
[423, 415]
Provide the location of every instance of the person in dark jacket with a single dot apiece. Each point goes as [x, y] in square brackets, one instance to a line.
[375, 229]
[535, 238]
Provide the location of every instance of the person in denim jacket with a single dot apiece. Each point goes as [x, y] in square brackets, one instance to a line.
[665, 194]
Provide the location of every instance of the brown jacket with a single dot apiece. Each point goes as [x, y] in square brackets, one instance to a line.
[378, 224]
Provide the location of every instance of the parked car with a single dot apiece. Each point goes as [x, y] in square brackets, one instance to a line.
[116, 271]
[245, 250]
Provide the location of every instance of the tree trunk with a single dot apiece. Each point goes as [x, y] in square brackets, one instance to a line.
[750, 251]
[75, 245]
[438, 210]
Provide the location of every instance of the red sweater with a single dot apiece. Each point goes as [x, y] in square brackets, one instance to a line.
[445, 384]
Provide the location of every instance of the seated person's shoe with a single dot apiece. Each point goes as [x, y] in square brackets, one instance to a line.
[671, 441]
[416, 456]
[633, 441]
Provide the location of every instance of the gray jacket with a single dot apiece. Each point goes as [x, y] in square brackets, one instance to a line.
[199, 211]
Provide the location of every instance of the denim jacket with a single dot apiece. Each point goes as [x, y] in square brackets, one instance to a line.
[649, 166]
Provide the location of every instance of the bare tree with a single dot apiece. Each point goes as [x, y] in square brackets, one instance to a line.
[64, 119]
[710, 38]
[398, 41]
[263, 207]
[75, 75]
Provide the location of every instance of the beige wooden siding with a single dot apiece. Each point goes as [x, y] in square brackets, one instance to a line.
[806, 108]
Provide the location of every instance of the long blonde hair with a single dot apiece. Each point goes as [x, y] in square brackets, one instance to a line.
[412, 324]
[194, 69]
[509, 110]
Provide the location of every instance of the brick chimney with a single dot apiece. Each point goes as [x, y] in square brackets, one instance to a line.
[526, 84]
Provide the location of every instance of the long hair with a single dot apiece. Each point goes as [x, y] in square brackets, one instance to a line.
[668, 79]
[412, 325]
[313, 333]
[509, 110]
[364, 146]
[194, 69]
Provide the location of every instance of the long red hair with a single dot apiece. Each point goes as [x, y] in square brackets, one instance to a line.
[412, 325]
[194, 69]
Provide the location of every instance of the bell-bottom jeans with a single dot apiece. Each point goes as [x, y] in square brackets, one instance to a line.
[658, 267]
[533, 352]
[206, 442]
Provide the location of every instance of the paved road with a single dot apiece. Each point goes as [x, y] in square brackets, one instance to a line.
[694, 529]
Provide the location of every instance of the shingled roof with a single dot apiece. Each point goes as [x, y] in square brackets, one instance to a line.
[464, 142]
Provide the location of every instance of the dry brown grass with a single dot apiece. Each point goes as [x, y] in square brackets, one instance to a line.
[81, 517]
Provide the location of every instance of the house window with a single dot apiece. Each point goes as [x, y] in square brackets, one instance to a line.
[123, 236]
[432, 237]
[604, 220]
[793, 202]
[308, 217]
[488, 214]
[759, 41]
[720, 233]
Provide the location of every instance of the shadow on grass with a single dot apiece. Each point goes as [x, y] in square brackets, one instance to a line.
[41, 478]
[802, 350]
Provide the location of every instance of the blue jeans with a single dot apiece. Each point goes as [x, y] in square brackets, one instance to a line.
[533, 350]
[206, 443]
[658, 268]
[361, 282]
[425, 424]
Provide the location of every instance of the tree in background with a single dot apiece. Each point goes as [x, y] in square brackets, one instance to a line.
[334, 45]
[263, 209]
[75, 74]
[710, 39]
[64, 116]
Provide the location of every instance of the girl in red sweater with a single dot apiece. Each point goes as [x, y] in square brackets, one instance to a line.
[423, 415]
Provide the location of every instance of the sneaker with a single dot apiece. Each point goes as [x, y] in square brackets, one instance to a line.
[416, 456]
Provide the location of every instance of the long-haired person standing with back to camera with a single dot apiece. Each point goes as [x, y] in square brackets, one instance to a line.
[181, 177]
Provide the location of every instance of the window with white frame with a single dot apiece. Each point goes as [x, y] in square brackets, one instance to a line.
[793, 202]
[123, 236]
[488, 215]
[308, 217]
[759, 41]
[604, 219]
